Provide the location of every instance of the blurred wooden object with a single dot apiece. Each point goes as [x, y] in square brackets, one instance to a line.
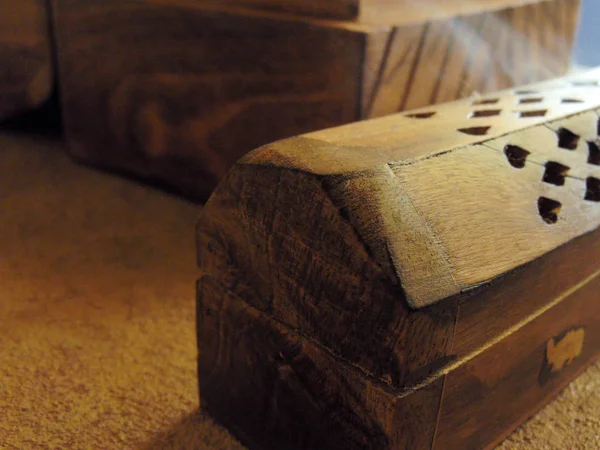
[383, 12]
[177, 91]
[426, 280]
[25, 62]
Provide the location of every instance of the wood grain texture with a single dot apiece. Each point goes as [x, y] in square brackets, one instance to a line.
[335, 9]
[394, 12]
[489, 396]
[442, 60]
[246, 387]
[392, 226]
[275, 389]
[251, 240]
[393, 183]
[534, 285]
[413, 265]
[178, 90]
[25, 73]
[385, 12]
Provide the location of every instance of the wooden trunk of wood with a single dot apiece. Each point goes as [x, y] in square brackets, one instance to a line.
[426, 280]
[177, 90]
[25, 66]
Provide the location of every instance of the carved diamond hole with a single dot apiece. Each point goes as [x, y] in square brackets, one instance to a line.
[555, 173]
[571, 100]
[516, 155]
[567, 139]
[585, 83]
[526, 92]
[594, 155]
[475, 131]
[549, 209]
[485, 113]
[531, 100]
[486, 101]
[592, 191]
[536, 113]
[423, 115]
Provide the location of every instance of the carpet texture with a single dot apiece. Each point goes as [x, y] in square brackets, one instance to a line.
[97, 341]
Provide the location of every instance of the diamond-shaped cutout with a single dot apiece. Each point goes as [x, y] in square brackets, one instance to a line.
[594, 154]
[571, 100]
[533, 113]
[516, 156]
[567, 139]
[485, 113]
[475, 131]
[423, 115]
[527, 101]
[549, 210]
[555, 173]
[486, 101]
[592, 189]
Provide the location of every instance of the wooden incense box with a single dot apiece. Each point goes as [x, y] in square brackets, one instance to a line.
[178, 90]
[426, 280]
[25, 62]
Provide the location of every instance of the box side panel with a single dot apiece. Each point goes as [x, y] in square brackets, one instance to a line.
[490, 395]
[275, 389]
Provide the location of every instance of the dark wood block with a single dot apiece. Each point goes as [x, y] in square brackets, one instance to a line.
[177, 91]
[279, 390]
[25, 62]
[275, 390]
[490, 395]
[449, 247]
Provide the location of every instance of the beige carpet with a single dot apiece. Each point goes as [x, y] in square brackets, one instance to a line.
[97, 344]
